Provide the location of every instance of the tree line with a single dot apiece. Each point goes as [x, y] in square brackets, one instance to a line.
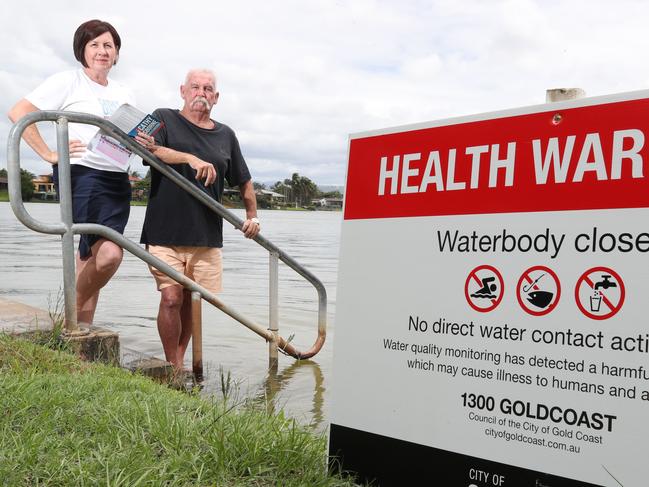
[298, 190]
[26, 184]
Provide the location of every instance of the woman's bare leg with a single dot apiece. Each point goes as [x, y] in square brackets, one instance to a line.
[93, 274]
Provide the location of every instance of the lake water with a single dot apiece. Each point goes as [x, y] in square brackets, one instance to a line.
[30, 266]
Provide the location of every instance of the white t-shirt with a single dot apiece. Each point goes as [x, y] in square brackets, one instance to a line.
[74, 91]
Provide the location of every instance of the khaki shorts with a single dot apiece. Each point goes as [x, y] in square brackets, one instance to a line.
[203, 265]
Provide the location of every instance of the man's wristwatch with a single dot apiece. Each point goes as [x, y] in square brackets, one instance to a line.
[255, 220]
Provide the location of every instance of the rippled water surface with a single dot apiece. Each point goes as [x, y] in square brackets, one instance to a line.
[30, 267]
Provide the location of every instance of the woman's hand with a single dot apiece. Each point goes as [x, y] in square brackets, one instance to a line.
[33, 137]
[76, 148]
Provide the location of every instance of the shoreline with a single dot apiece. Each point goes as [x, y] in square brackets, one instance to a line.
[4, 198]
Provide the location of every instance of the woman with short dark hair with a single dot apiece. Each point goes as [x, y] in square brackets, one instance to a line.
[100, 189]
[91, 30]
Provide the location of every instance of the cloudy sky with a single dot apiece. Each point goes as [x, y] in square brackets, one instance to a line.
[297, 77]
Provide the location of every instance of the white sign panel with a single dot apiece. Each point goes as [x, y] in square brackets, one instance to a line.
[492, 300]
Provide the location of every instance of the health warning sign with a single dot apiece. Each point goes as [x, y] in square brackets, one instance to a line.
[491, 303]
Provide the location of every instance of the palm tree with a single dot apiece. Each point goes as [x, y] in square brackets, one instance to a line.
[304, 189]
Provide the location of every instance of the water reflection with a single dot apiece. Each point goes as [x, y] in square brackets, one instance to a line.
[276, 382]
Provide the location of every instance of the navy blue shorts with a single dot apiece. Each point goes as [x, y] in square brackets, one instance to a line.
[55, 179]
[102, 197]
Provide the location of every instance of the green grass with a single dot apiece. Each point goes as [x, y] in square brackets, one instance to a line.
[4, 195]
[67, 422]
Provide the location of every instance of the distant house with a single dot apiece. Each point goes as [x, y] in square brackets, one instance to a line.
[4, 185]
[232, 194]
[44, 187]
[136, 194]
[328, 203]
[269, 199]
[270, 195]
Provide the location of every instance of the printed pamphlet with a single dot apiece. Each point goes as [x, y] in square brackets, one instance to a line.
[130, 120]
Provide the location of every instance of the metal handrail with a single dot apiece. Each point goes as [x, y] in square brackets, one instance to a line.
[67, 229]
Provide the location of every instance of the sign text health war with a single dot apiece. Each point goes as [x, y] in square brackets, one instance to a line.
[554, 156]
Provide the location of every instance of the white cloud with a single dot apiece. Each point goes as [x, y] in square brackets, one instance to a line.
[297, 77]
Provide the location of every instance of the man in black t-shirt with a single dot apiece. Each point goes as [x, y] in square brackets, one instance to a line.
[178, 228]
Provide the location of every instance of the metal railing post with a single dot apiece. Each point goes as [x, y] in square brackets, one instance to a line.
[67, 239]
[273, 318]
[197, 335]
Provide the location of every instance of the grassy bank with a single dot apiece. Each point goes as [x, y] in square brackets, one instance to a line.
[66, 422]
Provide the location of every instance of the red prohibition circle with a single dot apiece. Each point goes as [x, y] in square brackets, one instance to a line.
[472, 275]
[556, 298]
[582, 279]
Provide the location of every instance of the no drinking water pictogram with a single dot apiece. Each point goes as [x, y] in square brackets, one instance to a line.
[599, 293]
[538, 290]
[484, 288]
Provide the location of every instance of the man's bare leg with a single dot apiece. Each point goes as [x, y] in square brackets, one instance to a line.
[93, 274]
[170, 324]
[186, 326]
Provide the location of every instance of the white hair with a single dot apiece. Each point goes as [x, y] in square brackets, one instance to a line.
[194, 71]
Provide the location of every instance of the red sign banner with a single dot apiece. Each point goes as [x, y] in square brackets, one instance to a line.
[588, 157]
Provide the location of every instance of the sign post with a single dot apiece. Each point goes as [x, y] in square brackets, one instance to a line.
[491, 315]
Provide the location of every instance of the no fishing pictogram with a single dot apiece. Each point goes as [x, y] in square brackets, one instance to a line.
[538, 290]
[599, 293]
[484, 288]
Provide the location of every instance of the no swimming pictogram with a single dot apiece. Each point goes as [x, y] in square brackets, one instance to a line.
[484, 288]
[599, 293]
[538, 290]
